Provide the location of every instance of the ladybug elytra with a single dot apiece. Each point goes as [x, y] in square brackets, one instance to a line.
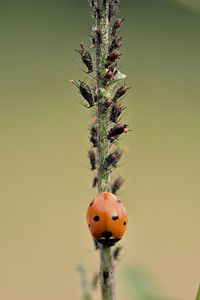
[107, 218]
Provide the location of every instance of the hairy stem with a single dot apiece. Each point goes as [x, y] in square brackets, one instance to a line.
[102, 28]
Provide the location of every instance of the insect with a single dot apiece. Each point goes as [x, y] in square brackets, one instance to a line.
[113, 8]
[116, 185]
[116, 131]
[107, 104]
[93, 136]
[111, 58]
[94, 182]
[86, 58]
[117, 252]
[116, 44]
[112, 159]
[116, 26]
[120, 92]
[85, 91]
[116, 111]
[92, 158]
[108, 76]
[107, 218]
[98, 11]
[98, 36]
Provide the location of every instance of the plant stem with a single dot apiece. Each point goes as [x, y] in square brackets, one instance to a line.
[102, 27]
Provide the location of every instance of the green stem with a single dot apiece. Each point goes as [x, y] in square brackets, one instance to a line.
[102, 26]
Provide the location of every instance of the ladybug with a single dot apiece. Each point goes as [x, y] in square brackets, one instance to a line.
[107, 218]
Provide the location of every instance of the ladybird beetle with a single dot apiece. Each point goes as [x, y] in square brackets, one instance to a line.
[107, 218]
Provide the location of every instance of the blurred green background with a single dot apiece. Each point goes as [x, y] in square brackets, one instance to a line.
[45, 179]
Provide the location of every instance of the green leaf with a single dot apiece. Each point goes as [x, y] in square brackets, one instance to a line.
[198, 294]
[140, 286]
[118, 77]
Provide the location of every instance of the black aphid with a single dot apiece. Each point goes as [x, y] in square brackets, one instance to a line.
[86, 58]
[120, 92]
[93, 136]
[85, 91]
[98, 11]
[92, 158]
[94, 182]
[112, 57]
[116, 44]
[115, 112]
[113, 8]
[117, 252]
[107, 77]
[107, 104]
[116, 26]
[116, 185]
[112, 159]
[116, 131]
[98, 36]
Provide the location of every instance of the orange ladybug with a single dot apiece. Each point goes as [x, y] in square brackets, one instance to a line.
[107, 218]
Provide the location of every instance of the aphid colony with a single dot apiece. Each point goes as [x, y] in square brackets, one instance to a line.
[106, 215]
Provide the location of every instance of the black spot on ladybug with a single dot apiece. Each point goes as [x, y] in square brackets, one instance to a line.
[96, 218]
[115, 217]
[91, 203]
[124, 223]
[88, 225]
[106, 234]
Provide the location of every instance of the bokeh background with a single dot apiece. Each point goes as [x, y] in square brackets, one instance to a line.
[45, 182]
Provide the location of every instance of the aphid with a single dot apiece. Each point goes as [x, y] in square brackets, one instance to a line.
[98, 36]
[113, 8]
[116, 111]
[116, 26]
[120, 92]
[92, 158]
[116, 131]
[108, 77]
[85, 91]
[112, 159]
[86, 58]
[116, 44]
[93, 136]
[107, 103]
[116, 185]
[117, 252]
[94, 182]
[111, 58]
[98, 10]
[93, 41]
[107, 218]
